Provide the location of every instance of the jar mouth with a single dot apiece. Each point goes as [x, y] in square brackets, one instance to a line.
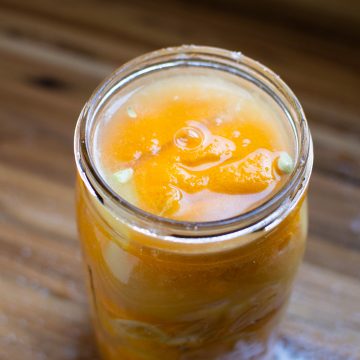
[267, 214]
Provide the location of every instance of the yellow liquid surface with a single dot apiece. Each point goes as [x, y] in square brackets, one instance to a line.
[193, 147]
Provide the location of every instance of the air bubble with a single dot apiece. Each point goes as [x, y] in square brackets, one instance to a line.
[188, 138]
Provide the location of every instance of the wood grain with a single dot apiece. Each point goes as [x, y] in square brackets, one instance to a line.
[54, 53]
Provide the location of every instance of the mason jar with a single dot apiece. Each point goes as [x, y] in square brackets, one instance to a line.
[168, 289]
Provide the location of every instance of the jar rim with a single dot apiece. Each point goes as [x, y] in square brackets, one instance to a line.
[263, 217]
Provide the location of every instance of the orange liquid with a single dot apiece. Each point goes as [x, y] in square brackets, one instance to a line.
[199, 149]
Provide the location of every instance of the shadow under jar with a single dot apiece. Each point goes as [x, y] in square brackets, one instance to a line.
[168, 289]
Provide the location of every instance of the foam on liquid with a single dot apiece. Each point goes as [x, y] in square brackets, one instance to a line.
[195, 147]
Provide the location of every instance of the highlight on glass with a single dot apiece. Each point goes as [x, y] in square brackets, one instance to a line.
[193, 166]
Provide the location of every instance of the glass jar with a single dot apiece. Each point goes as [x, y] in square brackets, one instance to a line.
[166, 289]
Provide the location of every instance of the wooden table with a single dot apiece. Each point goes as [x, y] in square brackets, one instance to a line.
[54, 53]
